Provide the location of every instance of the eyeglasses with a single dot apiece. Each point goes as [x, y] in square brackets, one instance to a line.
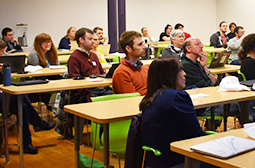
[198, 44]
[241, 31]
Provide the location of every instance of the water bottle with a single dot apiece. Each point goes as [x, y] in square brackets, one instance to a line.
[7, 74]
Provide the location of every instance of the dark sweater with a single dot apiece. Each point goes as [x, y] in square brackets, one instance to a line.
[248, 68]
[171, 117]
[195, 74]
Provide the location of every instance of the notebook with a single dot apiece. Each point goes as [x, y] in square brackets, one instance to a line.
[248, 83]
[219, 60]
[225, 147]
[110, 72]
[16, 62]
[74, 46]
[105, 48]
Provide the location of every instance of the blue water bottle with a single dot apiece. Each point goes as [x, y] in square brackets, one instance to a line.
[7, 74]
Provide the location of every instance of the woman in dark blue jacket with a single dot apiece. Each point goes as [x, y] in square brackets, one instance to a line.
[168, 114]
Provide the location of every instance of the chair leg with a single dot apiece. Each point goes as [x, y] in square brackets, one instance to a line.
[144, 154]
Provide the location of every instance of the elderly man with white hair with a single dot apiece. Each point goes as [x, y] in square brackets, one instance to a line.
[175, 49]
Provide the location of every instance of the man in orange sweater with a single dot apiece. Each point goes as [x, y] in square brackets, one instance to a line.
[131, 75]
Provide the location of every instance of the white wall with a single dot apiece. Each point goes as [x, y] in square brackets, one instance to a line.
[242, 12]
[53, 16]
[56, 16]
[197, 16]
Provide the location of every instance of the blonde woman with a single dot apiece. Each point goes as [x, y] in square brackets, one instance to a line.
[65, 42]
[97, 50]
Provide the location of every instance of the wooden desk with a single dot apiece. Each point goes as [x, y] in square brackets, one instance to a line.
[63, 84]
[64, 52]
[221, 71]
[122, 109]
[20, 53]
[63, 59]
[191, 158]
[42, 72]
[226, 69]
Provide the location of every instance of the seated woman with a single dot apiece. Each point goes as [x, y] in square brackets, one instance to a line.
[247, 56]
[44, 52]
[30, 115]
[175, 49]
[97, 50]
[65, 42]
[168, 114]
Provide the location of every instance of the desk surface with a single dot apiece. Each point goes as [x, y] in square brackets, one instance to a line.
[42, 72]
[60, 52]
[211, 50]
[226, 69]
[55, 85]
[121, 109]
[244, 160]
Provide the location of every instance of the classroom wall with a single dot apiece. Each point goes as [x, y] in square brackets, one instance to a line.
[197, 16]
[55, 17]
[242, 12]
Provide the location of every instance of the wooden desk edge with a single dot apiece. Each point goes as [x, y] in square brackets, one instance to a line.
[97, 120]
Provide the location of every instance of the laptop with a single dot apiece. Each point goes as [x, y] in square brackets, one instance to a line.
[219, 60]
[74, 46]
[17, 62]
[225, 147]
[248, 83]
[105, 48]
[110, 72]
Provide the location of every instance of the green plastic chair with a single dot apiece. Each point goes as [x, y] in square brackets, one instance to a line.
[118, 131]
[115, 58]
[209, 117]
[243, 76]
[210, 55]
[161, 49]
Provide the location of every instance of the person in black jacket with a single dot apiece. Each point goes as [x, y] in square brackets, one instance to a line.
[219, 39]
[12, 44]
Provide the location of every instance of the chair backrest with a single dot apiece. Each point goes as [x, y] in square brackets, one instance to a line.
[117, 138]
[134, 152]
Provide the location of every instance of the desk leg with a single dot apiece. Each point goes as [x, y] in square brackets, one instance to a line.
[6, 98]
[106, 145]
[212, 120]
[20, 117]
[220, 77]
[245, 111]
[155, 53]
[225, 115]
[191, 163]
[78, 125]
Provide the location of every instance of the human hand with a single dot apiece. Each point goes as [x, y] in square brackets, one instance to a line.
[11, 51]
[203, 59]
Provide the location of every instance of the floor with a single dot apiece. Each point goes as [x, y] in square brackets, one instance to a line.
[54, 151]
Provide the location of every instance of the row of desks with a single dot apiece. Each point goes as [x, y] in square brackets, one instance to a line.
[47, 71]
[122, 109]
[69, 84]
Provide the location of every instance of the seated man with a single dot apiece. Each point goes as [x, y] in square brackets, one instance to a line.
[165, 36]
[131, 75]
[147, 39]
[220, 39]
[12, 44]
[198, 75]
[234, 44]
[30, 115]
[181, 26]
[103, 39]
[83, 62]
